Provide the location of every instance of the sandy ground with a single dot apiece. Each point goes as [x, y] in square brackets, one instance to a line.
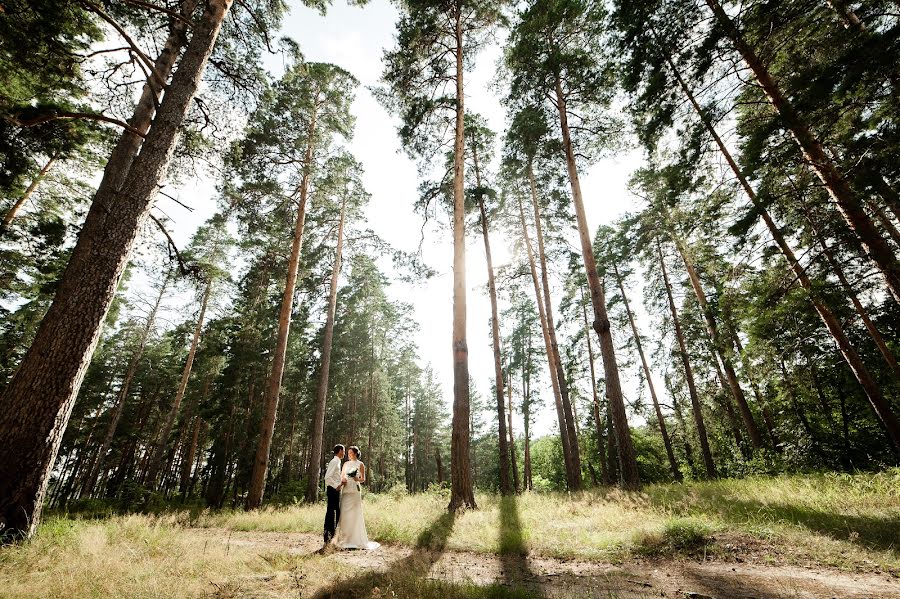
[574, 578]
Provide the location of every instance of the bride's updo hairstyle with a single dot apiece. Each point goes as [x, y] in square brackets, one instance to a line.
[357, 454]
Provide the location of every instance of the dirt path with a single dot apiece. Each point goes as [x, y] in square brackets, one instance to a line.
[574, 578]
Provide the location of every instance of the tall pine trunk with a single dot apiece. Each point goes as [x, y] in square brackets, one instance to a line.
[598, 422]
[462, 493]
[718, 344]
[14, 209]
[571, 436]
[318, 431]
[673, 463]
[156, 458]
[849, 204]
[505, 483]
[630, 477]
[38, 400]
[688, 371]
[542, 315]
[512, 439]
[273, 388]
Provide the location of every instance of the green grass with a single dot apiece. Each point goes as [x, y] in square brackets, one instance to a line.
[847, 522]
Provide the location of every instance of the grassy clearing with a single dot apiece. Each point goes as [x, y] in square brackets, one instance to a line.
[837, 520]
[144, 557]
[848, 522]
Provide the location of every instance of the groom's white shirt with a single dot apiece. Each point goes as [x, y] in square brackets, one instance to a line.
[333, 473]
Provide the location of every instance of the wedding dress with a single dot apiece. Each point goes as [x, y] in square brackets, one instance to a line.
[351, 530]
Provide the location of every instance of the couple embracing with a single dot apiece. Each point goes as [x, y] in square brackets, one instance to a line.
[344, 520]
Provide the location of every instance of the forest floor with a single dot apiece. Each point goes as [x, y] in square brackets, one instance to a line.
[797, 536]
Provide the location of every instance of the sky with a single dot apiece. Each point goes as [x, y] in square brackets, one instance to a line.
[355, 39]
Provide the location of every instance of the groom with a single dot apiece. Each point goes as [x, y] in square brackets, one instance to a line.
[333, 486]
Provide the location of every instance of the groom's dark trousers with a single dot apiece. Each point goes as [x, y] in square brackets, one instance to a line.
[333, 512]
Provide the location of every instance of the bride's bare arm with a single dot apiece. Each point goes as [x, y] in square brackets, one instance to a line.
[361, 476]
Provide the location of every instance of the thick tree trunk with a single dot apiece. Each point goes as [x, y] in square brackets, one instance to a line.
[601, 449]
[554, 382]
[571, 436]
[160, 447]
[39, 399]
[97, 464]
[688, 372]
[273, 389]
[718, 344]
[849, 204]
[505, 483]
[462, 494]
[630, 477]
[318, 432]
[14, 209]
[673, 463]
[882, 408]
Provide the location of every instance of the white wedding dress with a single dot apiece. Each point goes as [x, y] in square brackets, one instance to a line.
[351, 529]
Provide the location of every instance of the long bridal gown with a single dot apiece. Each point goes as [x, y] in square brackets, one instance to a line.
[351, 531]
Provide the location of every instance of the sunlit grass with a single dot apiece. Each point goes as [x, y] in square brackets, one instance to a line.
[838, 520]
[848, 522]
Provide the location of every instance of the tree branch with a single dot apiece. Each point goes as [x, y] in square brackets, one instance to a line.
[61, 116]
[121, 30]
[172, 13]
[181, 265]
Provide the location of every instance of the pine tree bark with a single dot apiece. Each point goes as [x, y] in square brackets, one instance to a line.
[848, 203]
[462, 493]
[571, 436]
[160, 447]
[505, 483]
[688, 372]
[604, 472]
[673, 463]
[273, 388]
[630, 477]
[39, 399]
[14, 209]
[881, 407]
[318, 432]
[554, 382]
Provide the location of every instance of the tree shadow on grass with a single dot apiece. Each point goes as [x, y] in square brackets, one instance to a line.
[513, 550]
[876, 531]
[430, 545]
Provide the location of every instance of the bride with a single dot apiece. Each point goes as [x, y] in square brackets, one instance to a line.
[351, 530]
